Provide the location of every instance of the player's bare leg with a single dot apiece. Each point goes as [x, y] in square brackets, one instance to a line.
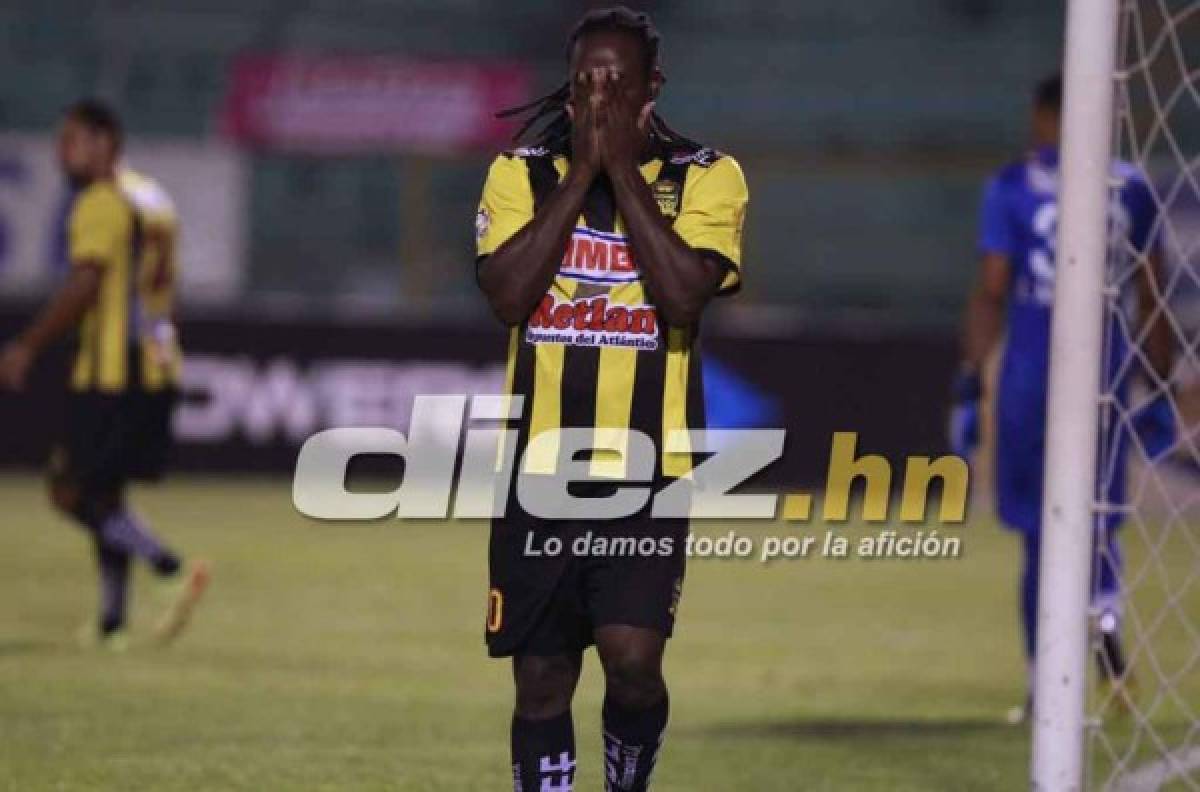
[635, 704]
[543, 734]
[186, 596]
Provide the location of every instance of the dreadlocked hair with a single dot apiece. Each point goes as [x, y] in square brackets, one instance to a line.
[546, 122]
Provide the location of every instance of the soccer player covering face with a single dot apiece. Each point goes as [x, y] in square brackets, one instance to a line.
[1013, 298]
[121, 246]
[600, 244]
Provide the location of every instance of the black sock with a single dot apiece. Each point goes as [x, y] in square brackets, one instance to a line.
[631, 742]
[124, 529]
[543, 754]
[1110, 658]
[114, 586]
[117, 527]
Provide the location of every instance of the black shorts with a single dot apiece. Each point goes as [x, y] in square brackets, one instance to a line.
[110, 438]
[627, 572]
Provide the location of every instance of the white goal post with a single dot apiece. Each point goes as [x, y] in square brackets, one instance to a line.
[1076, 344]
[1131, 116]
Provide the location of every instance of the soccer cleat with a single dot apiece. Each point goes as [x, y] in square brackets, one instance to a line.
[1015, 716]
[88, 636]
[179, 612]
[116, 642]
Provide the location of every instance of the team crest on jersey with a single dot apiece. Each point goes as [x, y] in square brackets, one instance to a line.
[598, 257]
[593, 322]
[668, 195]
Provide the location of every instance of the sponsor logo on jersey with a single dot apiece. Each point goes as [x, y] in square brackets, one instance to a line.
[702, 157]
[599, 257]
[593, 321]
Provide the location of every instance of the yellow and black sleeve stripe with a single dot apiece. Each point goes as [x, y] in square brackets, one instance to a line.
[713, 213]
[506, 206]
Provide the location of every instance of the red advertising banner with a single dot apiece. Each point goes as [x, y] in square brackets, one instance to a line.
[361, 103]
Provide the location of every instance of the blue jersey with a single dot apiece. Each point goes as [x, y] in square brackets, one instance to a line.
[1020, 221]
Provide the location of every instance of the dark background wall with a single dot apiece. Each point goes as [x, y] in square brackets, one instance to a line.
[256, 390]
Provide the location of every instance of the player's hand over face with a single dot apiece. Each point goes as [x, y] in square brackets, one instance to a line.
[583, 108]
[15, 360]
[624, 125]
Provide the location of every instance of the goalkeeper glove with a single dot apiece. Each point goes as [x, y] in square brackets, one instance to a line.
[1154, 427]
[964, 413]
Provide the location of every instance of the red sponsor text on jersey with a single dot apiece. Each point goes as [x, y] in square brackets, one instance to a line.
[600, 258]
[594, 314]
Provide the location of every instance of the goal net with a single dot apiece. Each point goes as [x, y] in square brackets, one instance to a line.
[1143, 730]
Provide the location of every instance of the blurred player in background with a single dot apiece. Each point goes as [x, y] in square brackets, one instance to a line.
[1014, 296]
[120, 243]
[600, 245]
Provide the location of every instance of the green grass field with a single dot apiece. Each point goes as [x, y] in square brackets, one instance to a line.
[350, 656]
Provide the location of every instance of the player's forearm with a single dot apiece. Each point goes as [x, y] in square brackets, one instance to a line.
[1158, 347]
[1158, 333]
[518, 274]
[65, 309]
[983, 327]
[679, 279]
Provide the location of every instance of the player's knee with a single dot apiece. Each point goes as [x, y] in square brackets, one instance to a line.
[633, 679]
[545, 686]
[63, 495]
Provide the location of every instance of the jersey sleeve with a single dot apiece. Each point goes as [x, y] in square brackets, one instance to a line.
[995, 225]
[712, 215]
[506, 205]
[1139, 201]
[154, 205]
[95, 228]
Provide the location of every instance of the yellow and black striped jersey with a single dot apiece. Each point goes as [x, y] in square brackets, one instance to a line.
[102, 232]
[107, 229]
[594, 354]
